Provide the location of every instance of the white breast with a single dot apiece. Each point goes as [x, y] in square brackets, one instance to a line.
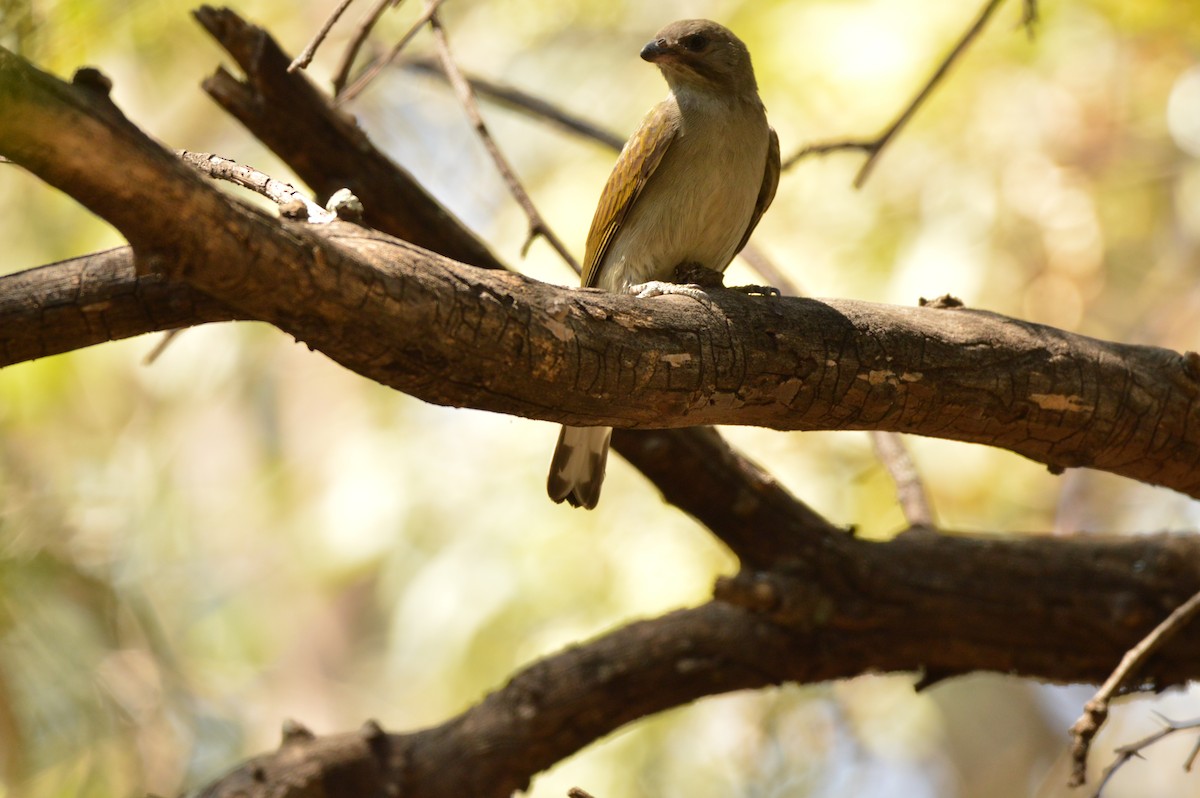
[697, 205]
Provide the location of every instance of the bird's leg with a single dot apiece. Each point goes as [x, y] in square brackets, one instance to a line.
[694, 274]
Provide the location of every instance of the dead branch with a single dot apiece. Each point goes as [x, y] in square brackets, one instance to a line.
[525, 103]
[829, 611]
[282, 194]
[361, 32]
[466, 97]
[874, 147]
[306, 55]
[325, 146]
[1096, 709]
[910, 490]
[379, 64]
[1134, 750]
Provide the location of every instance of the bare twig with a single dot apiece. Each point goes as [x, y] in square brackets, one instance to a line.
[161, 346]
[1029, 16]
[827, 147]
[306, 55]
[525, 103]
[466, 96]
[1134, 750]
[874, 147]
[376, 66]
[365, 27]
[914, 502]
[279, 192]
[578, 792]
[1095, 711]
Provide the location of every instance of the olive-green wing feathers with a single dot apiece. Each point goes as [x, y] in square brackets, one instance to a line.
[638, 160]
[766, 192]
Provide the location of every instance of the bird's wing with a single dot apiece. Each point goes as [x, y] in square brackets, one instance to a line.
[766, 191]
[638, 160]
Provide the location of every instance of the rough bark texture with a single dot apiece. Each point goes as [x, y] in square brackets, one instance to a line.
[811, 603]
[939, 605]
[451, 334]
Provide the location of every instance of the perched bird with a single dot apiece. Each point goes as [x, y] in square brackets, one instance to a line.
[688, 189]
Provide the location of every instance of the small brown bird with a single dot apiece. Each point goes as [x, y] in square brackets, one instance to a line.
[688, 188]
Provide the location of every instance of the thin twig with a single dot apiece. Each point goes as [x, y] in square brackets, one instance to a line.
[537, 225]
[1029, 16]
[1134, 750]
[377, 66]
[827, 147]
[873, 147]
[161, 346]
[368, 23]
[306, 55]
[578, 792]
[277, 191]
[1095, 711]
[910, 490]
[525, 103]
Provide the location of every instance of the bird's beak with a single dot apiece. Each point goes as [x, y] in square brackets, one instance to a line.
[656, 51]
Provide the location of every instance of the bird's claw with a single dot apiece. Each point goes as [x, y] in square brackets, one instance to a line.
[659, 288]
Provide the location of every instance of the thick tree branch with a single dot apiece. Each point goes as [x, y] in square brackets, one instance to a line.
[453, 335]
[90, 300]
[852, 607]
[450, 334]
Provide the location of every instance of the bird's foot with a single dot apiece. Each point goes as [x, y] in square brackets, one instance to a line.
[659, 288]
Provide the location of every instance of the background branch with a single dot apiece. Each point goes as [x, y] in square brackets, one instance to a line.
[830, 612]
[1134, 750]
[462, 88]
[874, 147]
[1096, 710]
[361, 32]
[306, 55]
[377, 66]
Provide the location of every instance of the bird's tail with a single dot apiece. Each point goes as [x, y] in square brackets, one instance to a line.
[577, 470]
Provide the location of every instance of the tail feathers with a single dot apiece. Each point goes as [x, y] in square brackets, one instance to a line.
[577, 470]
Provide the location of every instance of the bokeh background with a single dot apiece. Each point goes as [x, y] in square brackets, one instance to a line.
[243, 532]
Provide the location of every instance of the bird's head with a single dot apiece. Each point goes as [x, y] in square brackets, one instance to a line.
[700, 54]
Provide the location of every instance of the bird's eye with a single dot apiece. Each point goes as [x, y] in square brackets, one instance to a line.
[694, 42]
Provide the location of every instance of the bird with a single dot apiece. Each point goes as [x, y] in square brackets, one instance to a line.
[687, 190]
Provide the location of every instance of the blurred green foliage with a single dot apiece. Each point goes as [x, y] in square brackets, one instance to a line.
[243, 532]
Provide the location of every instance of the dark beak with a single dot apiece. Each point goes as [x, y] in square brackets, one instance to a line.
[656, 51]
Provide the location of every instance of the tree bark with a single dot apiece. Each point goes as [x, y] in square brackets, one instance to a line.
[939, 605]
